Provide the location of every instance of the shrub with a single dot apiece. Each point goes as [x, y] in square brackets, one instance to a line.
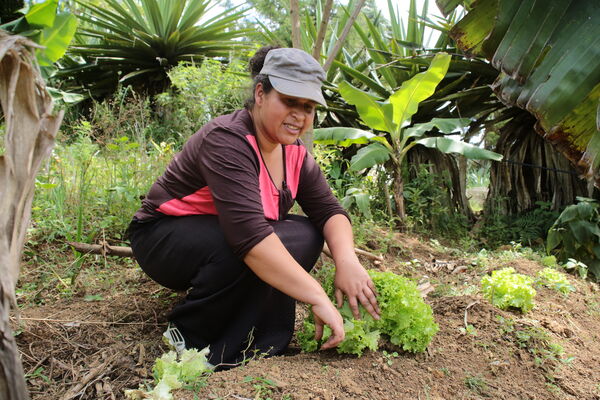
[201, 93]
[88, 189]
[498, 229]
[429, 206]
[576, 234]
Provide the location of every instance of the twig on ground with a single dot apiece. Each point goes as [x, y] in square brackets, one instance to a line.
[104, 249]
[40, 362]
[90, 322]
[123, 251]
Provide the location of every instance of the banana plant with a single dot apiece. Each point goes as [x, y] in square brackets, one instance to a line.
[548, 53]
[46, 26]
[393, 116]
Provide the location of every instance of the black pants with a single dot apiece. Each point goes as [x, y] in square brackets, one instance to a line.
[227, 306]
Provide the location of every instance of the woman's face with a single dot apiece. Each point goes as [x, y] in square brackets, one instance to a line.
[279, 118]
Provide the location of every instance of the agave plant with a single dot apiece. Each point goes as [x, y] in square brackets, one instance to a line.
[137, 41]
[549, 57]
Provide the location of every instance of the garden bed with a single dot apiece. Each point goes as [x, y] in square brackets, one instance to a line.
[101, 335]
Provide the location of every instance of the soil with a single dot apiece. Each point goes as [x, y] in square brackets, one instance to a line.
[100, 336]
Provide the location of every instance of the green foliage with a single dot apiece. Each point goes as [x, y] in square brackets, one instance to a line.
[45, 26]
[497, 228]
[356, 193]
[89, 190]
[553, 279]
[575, 266]
[405, 318]
[136, 42]
[536, 341]
[173, 372]
[392, 116]
[539, 51]
[478, 174]
[549, 261]
[576, 234]
[507, 289]
[200, 93]
[476, 383]
[429, 207]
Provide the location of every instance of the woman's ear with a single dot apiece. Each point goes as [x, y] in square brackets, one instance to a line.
[259, 94]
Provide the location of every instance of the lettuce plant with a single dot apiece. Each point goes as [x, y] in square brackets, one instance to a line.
[553, 279]
[505, 289]
[172, 372]
[405, 318]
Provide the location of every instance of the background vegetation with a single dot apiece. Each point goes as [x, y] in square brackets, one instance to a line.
[133, 96]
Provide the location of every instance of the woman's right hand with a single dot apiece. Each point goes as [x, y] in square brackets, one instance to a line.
[325, 313]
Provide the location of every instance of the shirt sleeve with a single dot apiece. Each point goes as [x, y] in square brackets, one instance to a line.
[230, 168]
[315, 196]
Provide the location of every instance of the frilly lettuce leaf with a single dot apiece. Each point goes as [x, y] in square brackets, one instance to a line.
[405, 318]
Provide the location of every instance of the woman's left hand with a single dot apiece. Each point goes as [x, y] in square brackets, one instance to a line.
[353, 280]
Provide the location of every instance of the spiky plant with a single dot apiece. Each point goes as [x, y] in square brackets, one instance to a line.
[135, 42]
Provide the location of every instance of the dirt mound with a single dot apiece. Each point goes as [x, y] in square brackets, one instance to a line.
[94, 343]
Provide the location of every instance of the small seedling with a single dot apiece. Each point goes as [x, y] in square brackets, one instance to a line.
[469, 330]
[263, 387]
[389, 357]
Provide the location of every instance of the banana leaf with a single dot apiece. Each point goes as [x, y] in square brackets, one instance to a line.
[549, 57]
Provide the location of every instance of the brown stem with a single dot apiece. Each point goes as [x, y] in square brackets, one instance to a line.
[399, 193]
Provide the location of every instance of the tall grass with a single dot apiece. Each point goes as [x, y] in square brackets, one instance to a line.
[111, 154]
[88, 191]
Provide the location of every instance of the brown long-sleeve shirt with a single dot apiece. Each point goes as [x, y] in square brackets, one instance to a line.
[220, 171]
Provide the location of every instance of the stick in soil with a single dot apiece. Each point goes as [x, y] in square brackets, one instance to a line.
[466, 311]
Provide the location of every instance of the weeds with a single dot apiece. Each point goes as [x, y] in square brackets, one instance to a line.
[547, 354]
[476, 383]
[87, 191]
[263, 387]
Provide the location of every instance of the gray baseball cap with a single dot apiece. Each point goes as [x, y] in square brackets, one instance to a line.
[295, 73]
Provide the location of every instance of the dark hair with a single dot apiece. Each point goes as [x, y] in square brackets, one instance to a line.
[255, 65]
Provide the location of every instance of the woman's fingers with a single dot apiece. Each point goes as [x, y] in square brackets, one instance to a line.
[318, 329]
[333, 340]
[339, 297]
[326, 314]
[354, 306]
[369, 302]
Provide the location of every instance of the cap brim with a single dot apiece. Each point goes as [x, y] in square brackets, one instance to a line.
[304, 90]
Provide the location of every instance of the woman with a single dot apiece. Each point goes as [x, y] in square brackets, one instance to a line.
[216, 222]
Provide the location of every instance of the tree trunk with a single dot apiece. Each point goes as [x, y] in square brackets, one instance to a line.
[29, 138]
[462, 188]
[399, 193]
[12, 381]
[295, 15]
[532, 171]
[342, 38]
[322, 30]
